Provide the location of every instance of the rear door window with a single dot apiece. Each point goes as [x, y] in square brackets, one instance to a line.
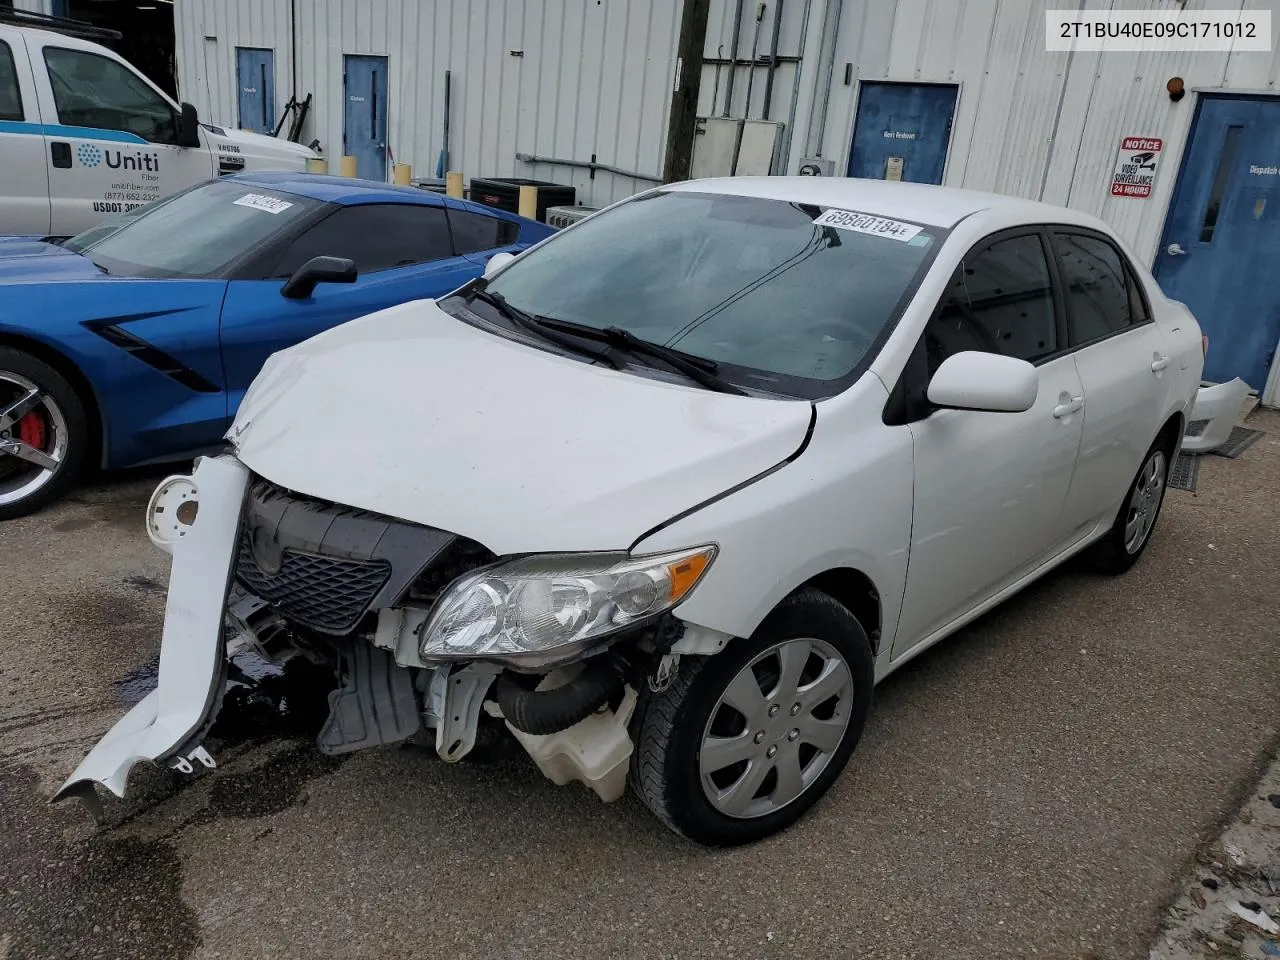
[10, 95]
[1101, 292]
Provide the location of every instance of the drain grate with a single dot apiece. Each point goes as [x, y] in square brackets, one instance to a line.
[1183, 474]
[1241, 439]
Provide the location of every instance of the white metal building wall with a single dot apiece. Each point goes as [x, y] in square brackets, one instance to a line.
[1029, 122]
[587, 77]
[596, 76]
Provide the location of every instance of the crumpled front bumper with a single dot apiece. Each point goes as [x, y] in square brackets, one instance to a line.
[169, 722]
[1215, 412]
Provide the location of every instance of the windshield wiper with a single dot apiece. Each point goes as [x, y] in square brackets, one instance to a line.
[701, 370]
[544, 330]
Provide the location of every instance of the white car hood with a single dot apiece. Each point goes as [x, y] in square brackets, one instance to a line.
[256, 147]
[412, 413]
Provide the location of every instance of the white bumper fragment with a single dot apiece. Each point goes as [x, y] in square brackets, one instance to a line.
[1215, 412]
[192, 654]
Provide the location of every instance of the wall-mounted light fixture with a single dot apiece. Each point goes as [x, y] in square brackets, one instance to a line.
[1176, 89]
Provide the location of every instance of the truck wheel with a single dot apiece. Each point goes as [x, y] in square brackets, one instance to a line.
[43, 434]
[744, 742]
[1128, 537]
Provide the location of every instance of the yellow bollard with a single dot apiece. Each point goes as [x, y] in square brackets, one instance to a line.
[453, 183]
[402, 173]
[317, 165]
[529, 202]
[347, 166]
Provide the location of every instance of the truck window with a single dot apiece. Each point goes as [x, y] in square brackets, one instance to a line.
[10, 97]
[95, 91]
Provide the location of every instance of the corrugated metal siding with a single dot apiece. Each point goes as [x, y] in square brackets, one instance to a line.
[594, 77]
[35, 6]
[1013, 93]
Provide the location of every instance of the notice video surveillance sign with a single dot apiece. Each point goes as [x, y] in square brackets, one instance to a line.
[1135, 172]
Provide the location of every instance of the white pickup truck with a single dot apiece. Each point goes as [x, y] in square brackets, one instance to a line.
[84, 135]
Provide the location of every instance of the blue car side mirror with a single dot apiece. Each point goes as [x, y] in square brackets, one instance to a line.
[318, 270]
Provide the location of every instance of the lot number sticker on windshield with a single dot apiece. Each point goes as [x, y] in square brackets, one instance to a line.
[866, 223]
[260, 201]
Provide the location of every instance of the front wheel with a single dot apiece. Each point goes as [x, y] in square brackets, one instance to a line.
[43, 434]
[744, 742]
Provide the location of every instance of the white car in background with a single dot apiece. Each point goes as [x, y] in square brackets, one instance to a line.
[670, 491]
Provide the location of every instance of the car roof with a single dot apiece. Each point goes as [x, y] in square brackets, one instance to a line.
[350, 191]
[918, 202]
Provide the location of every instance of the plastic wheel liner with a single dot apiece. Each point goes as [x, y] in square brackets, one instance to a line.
[167, 723]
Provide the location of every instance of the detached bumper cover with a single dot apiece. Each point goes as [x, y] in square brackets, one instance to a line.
[1215, 413]
[192, 653]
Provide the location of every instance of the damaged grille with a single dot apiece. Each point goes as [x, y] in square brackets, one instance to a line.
[325, 593]
[325, 565]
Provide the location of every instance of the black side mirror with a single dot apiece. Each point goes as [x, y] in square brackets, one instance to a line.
[188, 127]
[318, 270]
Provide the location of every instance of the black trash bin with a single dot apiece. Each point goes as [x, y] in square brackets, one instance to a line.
[505, 193]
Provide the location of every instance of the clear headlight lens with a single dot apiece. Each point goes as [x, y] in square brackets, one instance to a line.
[535, 604]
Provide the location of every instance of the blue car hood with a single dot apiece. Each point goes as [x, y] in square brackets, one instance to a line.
[29, 259]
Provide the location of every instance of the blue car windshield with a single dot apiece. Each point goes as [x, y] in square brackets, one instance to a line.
[195, 233]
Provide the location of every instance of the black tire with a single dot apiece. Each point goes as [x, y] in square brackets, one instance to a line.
[670, 725]
[1111, 555]
[60, 393]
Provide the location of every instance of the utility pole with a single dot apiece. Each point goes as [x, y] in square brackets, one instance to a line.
[682, 125]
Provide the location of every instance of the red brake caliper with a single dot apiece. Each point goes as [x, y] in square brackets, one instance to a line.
[31, 430]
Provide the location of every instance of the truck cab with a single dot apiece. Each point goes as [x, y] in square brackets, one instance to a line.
[84, 135]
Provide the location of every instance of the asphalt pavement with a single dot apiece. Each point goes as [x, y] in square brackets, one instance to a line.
[1033, 787]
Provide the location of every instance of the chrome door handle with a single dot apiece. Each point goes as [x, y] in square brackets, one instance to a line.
[1159, 363]
[1175, 250]
[1068, 408]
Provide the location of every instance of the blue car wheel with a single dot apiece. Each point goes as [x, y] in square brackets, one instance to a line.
[43, 434]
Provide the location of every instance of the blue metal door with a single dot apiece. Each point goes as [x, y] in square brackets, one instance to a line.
[364, 125]
[1223, 232]
[256, 83]
[902, 130]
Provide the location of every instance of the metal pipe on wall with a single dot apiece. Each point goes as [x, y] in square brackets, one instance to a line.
[733, 56]
[834, 34]
[795, 84]
[293, 45]
[773, 58]
[755, 52]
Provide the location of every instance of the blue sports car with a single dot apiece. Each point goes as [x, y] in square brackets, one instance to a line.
[135, 341]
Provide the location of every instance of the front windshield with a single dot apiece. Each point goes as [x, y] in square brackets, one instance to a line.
[752, 283]
[195, 233]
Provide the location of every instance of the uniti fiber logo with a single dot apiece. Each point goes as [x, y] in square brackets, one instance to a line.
[89, 155]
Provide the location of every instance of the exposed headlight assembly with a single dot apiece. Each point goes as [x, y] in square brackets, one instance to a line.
[544, 608]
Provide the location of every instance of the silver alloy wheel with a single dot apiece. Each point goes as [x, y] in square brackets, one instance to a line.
[23, 468]
[775, 728]
[1144, 504]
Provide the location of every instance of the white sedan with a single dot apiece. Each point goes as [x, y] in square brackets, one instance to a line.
[668, 493]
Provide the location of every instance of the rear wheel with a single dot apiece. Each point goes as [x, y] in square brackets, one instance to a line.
[43, 434]
[744, 742]
[1129, 535]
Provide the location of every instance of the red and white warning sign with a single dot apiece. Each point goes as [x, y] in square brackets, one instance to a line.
[1136, 166]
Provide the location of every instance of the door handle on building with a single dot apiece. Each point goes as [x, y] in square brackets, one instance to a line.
[1067, 407]
[1175, 250]
[1159, 363]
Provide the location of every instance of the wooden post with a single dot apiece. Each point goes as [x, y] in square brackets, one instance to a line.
[347, 166]
[453, 183]
[528, 206]
[317, 165]
[402, 173]
[682, 126]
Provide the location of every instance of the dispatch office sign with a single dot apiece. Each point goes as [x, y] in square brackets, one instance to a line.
[1135, 172]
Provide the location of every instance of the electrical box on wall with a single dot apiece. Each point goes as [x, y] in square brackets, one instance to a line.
[816, 167]
[758, 148]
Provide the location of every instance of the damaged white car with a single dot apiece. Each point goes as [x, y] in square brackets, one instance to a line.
[669, 492]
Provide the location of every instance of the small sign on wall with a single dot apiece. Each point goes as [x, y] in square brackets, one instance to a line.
[1135, 172]
[893, 168]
